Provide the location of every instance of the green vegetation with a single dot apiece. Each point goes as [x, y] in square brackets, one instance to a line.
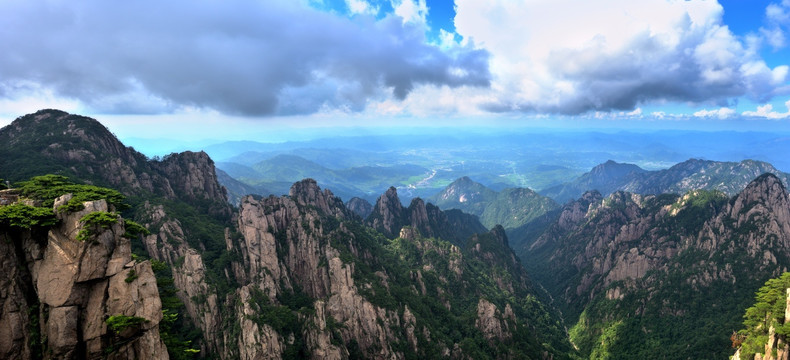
[287, 319]
[119, 323]
[47, 188]
[448, 306]
[131, 276]
[768, 311]
[134, 229]
[93, 222]
[511, 207]
[25, 216]
[204, 231]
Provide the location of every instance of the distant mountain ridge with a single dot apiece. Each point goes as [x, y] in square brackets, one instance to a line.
[511, 207]
[692, 174]
[277, 172]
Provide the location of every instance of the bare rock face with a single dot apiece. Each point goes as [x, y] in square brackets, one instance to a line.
[70, 287]
[388, 214]
[169, 244]
[307, 192]
[490, 321]
[284, 247]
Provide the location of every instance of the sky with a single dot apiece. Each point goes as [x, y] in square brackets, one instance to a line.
[240, 69]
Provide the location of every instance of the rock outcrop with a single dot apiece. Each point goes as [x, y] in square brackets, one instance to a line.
[58, 292]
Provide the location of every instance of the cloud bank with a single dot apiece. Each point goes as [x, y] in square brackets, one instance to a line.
[571, 57]
[238, 57]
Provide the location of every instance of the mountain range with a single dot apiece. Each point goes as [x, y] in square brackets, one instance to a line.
[296, 276]
[641, 264]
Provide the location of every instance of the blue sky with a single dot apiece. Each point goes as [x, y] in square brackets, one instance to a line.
[229, 69]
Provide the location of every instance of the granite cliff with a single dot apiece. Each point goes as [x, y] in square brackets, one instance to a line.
[61, 290]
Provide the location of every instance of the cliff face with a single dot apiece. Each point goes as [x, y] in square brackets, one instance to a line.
[58, 291]
[287, 250]
[622, 257]
[168, 243]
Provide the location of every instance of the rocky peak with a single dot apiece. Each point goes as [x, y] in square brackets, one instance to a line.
[766, 189]
[576, 211]
[614, 169]
[590, 197]
[308, 193]
[82, 148]
[193, 176]
[499, 235]
[388, 215]
[418, 214]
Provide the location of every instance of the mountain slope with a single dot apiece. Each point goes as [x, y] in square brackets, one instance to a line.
[693, 174]
[465, 195]
[53, 141]
[511, 207]
[638, 275]
[606, 178]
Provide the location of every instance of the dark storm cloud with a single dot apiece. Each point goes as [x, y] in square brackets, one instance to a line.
[238, 57]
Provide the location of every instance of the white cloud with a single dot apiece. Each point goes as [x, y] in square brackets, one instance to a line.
[767, 111]
[411, 11]
[721, 113]
[361, 7]
[777, 21]
[571, 56]
[659, 114]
